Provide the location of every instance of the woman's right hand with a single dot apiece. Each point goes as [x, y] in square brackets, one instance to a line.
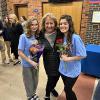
[64, 57]
[34, 64]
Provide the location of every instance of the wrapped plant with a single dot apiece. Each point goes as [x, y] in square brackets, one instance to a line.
[36, 51]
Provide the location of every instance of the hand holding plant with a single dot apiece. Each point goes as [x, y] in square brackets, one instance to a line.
[63, 49]
[36, 51]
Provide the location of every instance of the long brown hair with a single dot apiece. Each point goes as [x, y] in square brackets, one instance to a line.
[6, 24]
[71, 30]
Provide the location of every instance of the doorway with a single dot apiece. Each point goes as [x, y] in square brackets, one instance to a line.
[72, 8]
[21, 10]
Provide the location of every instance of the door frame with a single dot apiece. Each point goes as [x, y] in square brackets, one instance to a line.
[16, 8]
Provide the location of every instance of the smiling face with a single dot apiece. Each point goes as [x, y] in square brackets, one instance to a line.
[64, 26]
[49, 25]
[34, 26]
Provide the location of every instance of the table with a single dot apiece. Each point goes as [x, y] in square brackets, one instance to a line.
[91, 64]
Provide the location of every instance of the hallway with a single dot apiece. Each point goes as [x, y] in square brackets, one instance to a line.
[11, 85]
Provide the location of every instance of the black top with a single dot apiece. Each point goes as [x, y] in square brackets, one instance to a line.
[15, 31]
[6, 33]
[50, 56]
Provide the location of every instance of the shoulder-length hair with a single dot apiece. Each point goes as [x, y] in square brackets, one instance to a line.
[71, 30]
[14, 17]
[29, 23]
[6, 24]
[44, 19]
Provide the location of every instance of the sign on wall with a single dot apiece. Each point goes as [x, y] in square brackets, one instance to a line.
[96, 17]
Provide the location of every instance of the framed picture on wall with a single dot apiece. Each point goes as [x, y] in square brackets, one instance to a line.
[96, 17]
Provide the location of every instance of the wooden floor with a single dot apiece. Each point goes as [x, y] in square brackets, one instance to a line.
[84, 88]
[12, 88]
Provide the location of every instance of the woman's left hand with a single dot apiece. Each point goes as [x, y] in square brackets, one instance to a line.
[34, 50]
[66, 58]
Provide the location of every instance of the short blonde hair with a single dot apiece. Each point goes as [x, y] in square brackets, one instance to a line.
[44, 19]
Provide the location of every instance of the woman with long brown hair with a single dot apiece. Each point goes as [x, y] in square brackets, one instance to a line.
[70, 62]
[7, 36]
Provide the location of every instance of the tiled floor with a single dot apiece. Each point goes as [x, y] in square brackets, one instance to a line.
[12, 88]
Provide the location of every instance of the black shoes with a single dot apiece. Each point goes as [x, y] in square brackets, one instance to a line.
[34, 97]
[54, 93]
[17, 61]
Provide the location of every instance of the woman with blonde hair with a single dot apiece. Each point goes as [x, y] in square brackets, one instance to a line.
[30, 65]
[15, 31]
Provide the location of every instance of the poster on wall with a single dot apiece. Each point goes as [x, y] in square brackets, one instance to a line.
[96, 17]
